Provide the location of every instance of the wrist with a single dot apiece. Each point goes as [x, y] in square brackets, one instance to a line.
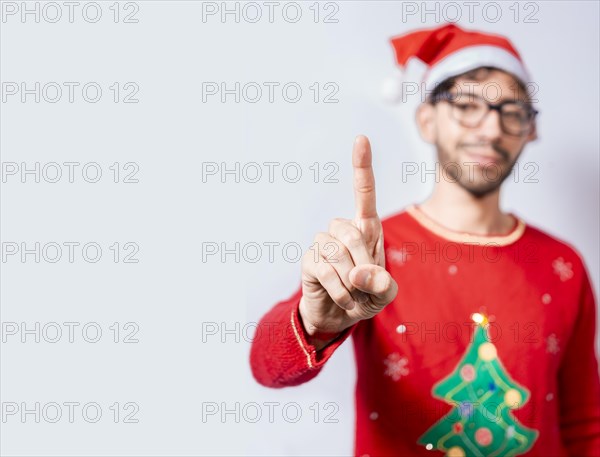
[317, 337]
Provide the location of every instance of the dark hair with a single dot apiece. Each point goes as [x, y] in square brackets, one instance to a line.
[477, 74]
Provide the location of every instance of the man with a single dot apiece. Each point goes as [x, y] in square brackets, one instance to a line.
[473, 331]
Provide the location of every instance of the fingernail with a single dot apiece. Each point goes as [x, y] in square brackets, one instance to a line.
[363, 277]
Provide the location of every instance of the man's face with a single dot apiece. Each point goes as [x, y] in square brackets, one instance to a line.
[477, 158]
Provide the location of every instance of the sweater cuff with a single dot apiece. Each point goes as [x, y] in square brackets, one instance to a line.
[314, 358]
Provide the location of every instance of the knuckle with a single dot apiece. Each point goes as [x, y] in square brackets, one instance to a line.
[306, 283]
[352, 237]
[364, 188]
[332, 252]
[324, 273]
[321, 236]
[334, 257]
[335, 222]
[308, 263]
[368, 310]
[371, 308]
[340, 297]
[364, 312]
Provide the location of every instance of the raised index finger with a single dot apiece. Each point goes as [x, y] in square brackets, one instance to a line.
[364, 179]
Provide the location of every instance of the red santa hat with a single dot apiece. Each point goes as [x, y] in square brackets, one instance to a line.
[448, 51]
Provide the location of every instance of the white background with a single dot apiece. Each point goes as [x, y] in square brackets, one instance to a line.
[171, 295]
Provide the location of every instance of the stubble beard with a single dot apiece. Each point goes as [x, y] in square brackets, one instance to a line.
[472, 178]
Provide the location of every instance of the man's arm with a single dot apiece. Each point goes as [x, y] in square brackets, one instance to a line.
[282, 353]
[579, 382]
[344, 281]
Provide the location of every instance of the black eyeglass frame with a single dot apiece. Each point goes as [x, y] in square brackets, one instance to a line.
[450, 98]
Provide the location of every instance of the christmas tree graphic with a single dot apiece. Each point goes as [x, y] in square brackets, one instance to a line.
[483, 395]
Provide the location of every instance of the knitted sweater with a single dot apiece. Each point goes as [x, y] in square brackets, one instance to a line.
[488, 348]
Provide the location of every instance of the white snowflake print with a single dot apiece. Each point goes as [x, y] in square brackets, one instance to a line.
[563, 269]
[397, 256]
[552, 344]
[396, 366]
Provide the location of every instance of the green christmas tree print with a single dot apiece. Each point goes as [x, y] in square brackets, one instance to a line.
[483, 395]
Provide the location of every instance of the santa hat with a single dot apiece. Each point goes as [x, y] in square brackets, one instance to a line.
[447, 51]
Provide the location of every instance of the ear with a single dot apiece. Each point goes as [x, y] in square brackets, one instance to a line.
[532, 136]
[425, 122]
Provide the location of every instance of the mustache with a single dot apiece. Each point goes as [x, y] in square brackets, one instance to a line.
[501, 151]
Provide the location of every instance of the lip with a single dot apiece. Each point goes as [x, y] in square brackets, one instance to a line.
[483, 159]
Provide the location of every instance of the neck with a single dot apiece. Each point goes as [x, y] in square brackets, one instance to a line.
[456, 209]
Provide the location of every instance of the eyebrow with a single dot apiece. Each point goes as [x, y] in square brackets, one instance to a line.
[501, 100]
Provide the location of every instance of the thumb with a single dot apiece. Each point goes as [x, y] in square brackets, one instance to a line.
[375, 281]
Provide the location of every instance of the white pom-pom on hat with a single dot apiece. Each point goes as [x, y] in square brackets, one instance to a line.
[392, 87]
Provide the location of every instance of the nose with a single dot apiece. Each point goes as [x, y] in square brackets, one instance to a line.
[490, 125]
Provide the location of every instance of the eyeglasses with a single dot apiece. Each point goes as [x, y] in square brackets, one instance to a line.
[516, 117]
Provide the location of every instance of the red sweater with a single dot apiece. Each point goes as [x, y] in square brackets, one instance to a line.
[535, 292]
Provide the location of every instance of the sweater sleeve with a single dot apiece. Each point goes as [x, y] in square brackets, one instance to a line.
[579, 382]
[280, 354]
